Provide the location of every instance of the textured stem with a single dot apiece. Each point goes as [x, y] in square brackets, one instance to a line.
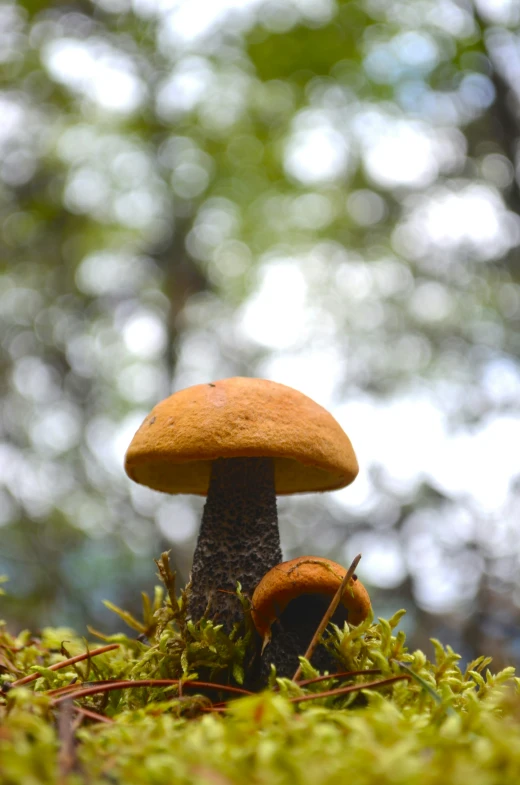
[292, 633]
[238, 540]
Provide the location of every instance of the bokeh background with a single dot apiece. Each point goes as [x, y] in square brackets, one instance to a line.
[319, 192]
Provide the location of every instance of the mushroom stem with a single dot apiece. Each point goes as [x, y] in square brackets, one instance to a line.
[292, 633]
[238, 540]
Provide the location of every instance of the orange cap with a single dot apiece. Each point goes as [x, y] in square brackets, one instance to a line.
[240, 418]
[304, 575]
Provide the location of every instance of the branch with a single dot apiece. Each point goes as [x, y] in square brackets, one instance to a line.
[328, 614]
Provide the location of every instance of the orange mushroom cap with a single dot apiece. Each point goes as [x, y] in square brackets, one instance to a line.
[239, 418]
[304, 575]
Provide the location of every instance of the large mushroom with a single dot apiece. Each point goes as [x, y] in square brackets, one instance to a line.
[239, 442]
[289, 603]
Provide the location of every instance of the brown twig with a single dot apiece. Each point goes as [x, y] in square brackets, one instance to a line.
[129, 684]
[328, 614]
[316, 679]
[65, 663]
[352, 688]
[62, 690]
[343, 675]
[67, 752]
[330, 693]
[214, 708]
[7, 664]
[75, 686]
[93, 715]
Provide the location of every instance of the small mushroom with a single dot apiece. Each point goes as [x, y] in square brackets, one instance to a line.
[239, 442]
[289, 603]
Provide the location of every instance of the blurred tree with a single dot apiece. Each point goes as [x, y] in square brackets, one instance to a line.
[320, 192]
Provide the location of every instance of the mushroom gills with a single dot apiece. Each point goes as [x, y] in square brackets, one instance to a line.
[238, 540]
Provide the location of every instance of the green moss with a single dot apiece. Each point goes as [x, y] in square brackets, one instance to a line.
[437, 725]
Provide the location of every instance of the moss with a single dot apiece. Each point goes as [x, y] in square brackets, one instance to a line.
[436, 724]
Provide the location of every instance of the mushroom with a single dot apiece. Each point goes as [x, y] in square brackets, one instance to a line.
[239, 442]
[291, 600]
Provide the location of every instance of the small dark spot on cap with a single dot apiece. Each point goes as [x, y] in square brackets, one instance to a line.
[354, 577]
[211, 385]
[152, 420]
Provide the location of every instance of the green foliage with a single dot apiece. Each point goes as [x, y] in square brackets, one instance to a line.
[436, 724]
[304, 51]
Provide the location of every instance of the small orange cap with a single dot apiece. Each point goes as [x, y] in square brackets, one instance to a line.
[240, 418]
[304, 575]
